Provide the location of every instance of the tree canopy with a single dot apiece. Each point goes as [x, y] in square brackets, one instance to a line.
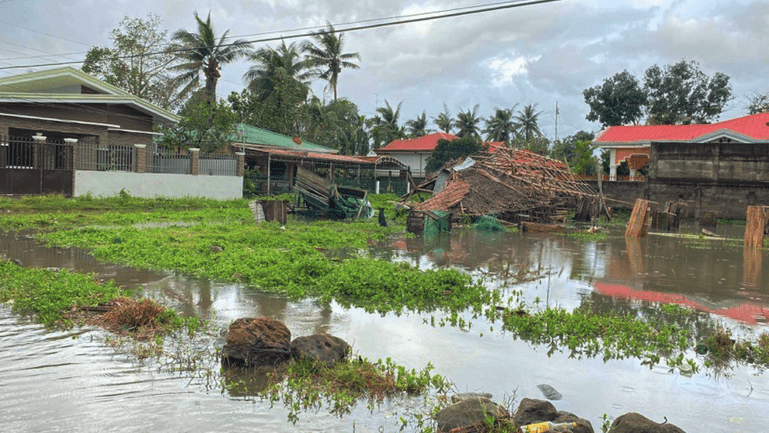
[138, 62]
[620, 100]
[679, 93]
[447, 150]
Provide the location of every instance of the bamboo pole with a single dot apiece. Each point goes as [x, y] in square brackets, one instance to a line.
[638, 226]
[755, 224]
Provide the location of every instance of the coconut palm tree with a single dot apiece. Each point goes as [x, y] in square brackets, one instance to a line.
[418, 126]
[203, 55]
[327, 58]
[527, 121]
[389, 122]
[261, 76]
[444, 121]
[467, 123]
[501, 126]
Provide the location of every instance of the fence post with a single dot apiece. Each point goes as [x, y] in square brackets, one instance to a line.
[638, 226]
[194, 161]
[241, 163]
[141, 157]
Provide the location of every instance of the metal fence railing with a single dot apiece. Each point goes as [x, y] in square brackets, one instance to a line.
[17, 153]
[170, 162]
[218, 165]
[94, 157]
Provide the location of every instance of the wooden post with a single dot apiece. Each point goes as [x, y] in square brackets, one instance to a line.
[638, 226]
[755, 225]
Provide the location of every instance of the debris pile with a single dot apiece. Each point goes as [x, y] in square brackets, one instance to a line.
[513, 185]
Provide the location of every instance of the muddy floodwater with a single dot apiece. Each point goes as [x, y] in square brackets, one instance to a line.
[73, 381]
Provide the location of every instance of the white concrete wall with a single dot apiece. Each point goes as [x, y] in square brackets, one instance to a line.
[149, 185]
[416, 161]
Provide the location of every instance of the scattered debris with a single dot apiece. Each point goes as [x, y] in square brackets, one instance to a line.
[323, 197]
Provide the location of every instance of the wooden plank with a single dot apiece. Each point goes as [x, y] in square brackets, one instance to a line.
[362, 202]
[755, 226]
[638, 226]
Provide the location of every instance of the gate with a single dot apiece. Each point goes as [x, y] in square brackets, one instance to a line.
[31, 168]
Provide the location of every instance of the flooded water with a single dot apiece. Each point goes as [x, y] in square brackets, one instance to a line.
[73, 381]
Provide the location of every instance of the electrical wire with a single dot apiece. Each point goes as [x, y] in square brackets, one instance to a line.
[418, 18]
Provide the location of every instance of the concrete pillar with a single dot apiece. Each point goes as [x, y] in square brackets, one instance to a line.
[37, 155]
[377, 186]
[612, 164]
[140, 150]
[241, 164]
[194, 161]
[72, 142]
[633, 172]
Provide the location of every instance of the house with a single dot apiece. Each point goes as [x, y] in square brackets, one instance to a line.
[414, 152]
[277, 156]
[632, 144]
[65, 132]
[68, 103]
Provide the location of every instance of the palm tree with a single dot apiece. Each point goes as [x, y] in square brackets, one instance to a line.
[527, 121]
[327, 57]
[202, 54]
[444, 121]
[467, 123]
[418, 126]
[389, 122]
[501, 126]
[261, 76]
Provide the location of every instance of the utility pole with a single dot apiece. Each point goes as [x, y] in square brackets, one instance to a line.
[556, 120]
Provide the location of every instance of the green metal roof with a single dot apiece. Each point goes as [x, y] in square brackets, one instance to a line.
[254, 135]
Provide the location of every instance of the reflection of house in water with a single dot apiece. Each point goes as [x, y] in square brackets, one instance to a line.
[702, 281]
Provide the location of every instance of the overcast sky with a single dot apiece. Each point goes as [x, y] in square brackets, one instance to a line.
[539, 54]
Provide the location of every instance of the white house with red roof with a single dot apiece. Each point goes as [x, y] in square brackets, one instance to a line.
[627, 143]
[414, 152]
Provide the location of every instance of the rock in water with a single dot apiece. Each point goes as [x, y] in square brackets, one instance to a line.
[320, 347]
[637, 423]
[257, 341]
[549, 392]
[467, 413]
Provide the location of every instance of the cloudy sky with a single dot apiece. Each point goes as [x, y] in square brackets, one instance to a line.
[539, 54]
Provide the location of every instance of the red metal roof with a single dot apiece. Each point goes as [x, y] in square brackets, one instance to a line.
[420, 144]
[755, 126]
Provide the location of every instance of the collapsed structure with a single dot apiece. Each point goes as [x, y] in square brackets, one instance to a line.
[512, 185]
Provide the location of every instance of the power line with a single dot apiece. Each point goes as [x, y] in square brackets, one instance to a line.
[492, 7]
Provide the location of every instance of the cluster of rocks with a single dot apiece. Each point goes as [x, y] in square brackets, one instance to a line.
[262, 342]
[471, 412]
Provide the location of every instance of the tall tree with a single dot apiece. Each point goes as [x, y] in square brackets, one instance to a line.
[620, 100]
[203, 125]
[138, 62]
[468, 123]
[327, 57]
[389, 122]
[418, 127]
[501, 126]
[527, 120]
[203, 55]
[444, 121]
[261, 76]
[682, 94]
